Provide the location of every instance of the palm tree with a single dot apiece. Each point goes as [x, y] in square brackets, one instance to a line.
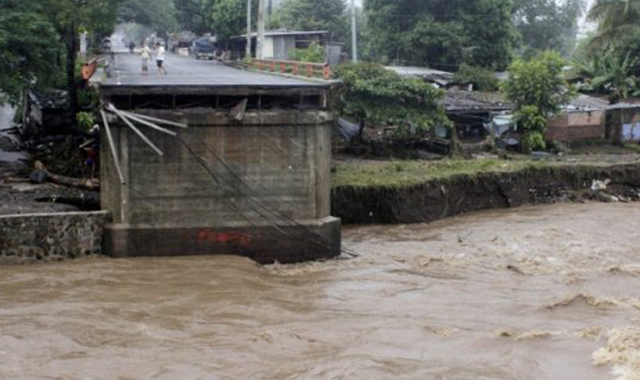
[614, 18]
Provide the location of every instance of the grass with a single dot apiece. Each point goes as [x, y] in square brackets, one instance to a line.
[403, 173]
[606, 149]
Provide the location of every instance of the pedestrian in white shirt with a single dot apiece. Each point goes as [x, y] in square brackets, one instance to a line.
[146, 57]
[160, 59]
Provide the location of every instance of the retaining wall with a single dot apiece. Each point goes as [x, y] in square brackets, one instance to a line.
[51, 237]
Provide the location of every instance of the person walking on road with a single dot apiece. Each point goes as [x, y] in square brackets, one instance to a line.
[146, 57]
[160, 59]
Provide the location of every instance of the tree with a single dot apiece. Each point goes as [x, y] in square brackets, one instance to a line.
[33, 32]
[224, 18]
[309, 15]
[373, 94]
[537, 89]
[548, 24]
[160, 17]
[443, 33]
[608, 73]
[69, 18]
[192, 16]
[615, 18]
[28, 47]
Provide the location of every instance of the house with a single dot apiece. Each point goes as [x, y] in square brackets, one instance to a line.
[581, 120]
[477, 114]
[278, 44]
[622, 123]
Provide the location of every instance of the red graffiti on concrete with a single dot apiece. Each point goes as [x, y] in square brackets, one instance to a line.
[213, 236]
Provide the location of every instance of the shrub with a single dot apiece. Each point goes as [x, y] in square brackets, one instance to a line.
[85, 120]
[376, 95]
[537, 89]
[313, 54]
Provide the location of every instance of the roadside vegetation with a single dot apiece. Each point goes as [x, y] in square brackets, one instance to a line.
[406, 173]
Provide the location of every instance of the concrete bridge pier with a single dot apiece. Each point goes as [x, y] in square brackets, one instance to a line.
[256, 185]
[260, 189]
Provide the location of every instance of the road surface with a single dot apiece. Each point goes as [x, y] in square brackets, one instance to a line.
[187, 71]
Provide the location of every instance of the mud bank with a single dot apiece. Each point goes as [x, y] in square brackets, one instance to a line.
[440, 198]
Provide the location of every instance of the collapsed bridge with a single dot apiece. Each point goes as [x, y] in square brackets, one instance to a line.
[249, 175]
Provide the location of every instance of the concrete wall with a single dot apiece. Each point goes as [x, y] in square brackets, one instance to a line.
[51, 237]
[577, 126]
[276, 158]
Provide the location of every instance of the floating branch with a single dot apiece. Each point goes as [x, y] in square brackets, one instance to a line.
[112, 146]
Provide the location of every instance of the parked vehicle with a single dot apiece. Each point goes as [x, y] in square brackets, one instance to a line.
[204, 48]
[181, 40]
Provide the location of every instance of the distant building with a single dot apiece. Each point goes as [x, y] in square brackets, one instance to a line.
[278, 44]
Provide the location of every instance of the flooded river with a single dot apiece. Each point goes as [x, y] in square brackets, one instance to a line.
[533, 293]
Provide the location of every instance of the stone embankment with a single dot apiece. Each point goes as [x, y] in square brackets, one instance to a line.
[440, 198]
[51, 237]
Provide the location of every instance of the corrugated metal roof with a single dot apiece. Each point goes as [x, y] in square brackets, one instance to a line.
[277, 33]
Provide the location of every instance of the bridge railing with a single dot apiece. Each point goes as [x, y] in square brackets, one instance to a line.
[309, 70]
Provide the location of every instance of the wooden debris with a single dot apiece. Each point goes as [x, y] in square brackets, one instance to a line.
[92, 184]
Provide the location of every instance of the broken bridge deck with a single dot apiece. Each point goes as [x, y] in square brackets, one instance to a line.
[257, 186]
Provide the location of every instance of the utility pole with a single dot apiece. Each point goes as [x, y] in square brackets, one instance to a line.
[261, 22]
[354, 32]
[248, 54]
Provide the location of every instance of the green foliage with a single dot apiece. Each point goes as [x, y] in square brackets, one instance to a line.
[609, 74]
[314, 54]
[28, 47]
[539, 82]
[161, 16]
[534, 124]
[442, 33]
[532, 141]
[481, 78]
[85, 120]
[615, 18]
[548, 24]
[326, 15]
[224, 18]
[537, 89]
[607, 62]
[377, 95]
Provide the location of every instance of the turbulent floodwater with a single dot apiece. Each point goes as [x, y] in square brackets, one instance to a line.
[533, 293]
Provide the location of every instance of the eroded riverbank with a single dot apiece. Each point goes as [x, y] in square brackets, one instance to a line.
[529, 293]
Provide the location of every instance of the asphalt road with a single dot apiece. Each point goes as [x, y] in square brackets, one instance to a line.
[187, 71]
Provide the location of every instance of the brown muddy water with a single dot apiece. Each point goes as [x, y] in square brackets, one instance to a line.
[533, 293]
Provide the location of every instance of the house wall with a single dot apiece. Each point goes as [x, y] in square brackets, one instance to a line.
[578, 126]
[623, 125]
